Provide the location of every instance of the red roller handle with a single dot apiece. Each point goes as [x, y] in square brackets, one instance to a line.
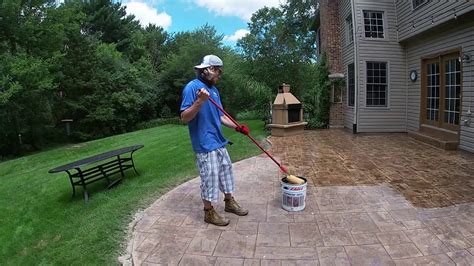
[282, 168]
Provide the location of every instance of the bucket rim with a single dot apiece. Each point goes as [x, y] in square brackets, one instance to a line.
[302, 177]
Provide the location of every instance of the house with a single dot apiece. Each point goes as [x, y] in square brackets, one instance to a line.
[407, 65]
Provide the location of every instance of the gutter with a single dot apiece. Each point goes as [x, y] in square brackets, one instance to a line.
[356, 68]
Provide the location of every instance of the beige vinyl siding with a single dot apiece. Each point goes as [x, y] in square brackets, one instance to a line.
[393, 117]
[461, 37]
[347, 50]
[428, 15]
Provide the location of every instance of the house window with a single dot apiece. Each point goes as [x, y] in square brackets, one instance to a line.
[432, 103]
[376, 84]
[350, 84]
[441, 91]
[350, 30]
[373, 24]
[417, 3]
[452, 98]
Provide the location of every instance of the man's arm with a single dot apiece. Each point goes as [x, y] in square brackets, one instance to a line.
[227, 122]
[188, 114]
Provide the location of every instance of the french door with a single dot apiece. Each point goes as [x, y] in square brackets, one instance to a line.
[441, 91]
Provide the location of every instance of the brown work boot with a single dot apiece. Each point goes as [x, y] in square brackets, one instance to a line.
[232, 206]
[212, 217]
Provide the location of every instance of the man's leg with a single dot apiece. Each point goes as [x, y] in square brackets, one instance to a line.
[226, 184]
[208, 171]
[207, 204]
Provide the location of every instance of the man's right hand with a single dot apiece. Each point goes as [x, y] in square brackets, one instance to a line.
[203, 95]
[189, 114]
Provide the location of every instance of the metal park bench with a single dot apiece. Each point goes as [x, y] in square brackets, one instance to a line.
[82, 177]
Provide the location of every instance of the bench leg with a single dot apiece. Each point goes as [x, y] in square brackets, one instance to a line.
[133, 164]
[86, 195]
[120, 165]
[83, 184]
[72, 184]
[104, 174]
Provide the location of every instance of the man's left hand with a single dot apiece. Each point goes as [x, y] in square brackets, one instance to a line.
[244, 129]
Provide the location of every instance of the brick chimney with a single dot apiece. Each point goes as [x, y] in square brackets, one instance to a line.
[330, 34]
[331, 46]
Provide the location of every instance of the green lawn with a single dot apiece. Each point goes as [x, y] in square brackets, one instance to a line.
[41, 224]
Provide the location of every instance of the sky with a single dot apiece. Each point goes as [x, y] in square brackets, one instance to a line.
[229, 17]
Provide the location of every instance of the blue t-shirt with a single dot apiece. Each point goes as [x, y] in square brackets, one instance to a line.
[205, 128]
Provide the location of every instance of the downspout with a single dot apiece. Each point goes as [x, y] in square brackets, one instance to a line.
[406, 88]
[356, 68]
[406, 67]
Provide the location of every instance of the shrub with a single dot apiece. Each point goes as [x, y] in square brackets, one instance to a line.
[317, 99]
[249, 115]
[159, 122]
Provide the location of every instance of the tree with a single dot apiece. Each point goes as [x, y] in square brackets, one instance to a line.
[242, 92]
[25, 99]
[110, 23]
[27, 79]
[105, 91]
[280, 46]
[186, 51]
[85, 60]
[316, 98]
[156, 44]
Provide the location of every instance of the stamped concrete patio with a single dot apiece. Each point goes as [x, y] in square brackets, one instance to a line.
[381, 199]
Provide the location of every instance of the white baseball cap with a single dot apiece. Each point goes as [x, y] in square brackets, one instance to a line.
[210, 60]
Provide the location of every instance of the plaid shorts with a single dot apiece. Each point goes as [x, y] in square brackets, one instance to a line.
[215, 169]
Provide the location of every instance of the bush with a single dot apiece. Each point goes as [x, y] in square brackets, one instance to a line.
[250, 115]
[160, 122]
[317, 99]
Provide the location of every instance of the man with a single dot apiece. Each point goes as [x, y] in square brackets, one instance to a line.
[204, 122]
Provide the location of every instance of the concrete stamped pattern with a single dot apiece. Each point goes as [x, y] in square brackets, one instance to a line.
[371, 200]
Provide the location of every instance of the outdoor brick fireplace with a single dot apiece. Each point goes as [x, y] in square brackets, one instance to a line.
[287, 114]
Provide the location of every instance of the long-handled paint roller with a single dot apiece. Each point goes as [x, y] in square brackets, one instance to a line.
[282, 168]
[290, 178]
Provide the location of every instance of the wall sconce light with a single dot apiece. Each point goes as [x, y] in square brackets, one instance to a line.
[466, 57]
[413, 75]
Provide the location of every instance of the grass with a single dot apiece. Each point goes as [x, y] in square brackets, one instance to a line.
[41, 224]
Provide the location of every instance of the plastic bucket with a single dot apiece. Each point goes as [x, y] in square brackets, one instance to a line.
[293, 195]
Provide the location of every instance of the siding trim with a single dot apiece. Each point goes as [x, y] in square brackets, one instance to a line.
[356, 68]
[441, 53]
[443, 12]
[406, 88]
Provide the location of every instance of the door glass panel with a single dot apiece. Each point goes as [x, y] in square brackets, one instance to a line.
[452, 97]
[432, 96]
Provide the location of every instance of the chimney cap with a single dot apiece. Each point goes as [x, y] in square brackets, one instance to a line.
[284, 88]
[284, 96]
